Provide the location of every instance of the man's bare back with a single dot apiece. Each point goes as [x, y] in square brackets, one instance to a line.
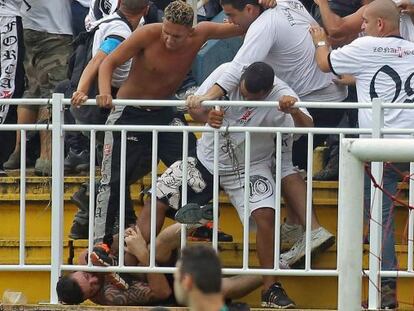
[162, 55]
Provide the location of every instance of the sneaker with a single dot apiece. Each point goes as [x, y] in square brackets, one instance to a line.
[388, 298]
[330, 171]
[13, 162]
[100, 257]
[81, 198]
[79, 231]
[192, 213]
[276, 297]
[205, 233]
[76, 162]
[80, 225]
[321, 239]
[290, 234]
[43, 167]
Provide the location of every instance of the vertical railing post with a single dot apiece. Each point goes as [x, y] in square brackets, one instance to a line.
[375, 224]
[350, 229]
[57, 194]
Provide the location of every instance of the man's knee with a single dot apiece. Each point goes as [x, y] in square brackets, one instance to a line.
[264, 217]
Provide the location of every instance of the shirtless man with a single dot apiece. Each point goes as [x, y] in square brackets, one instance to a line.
[162, 55]
[144, 289]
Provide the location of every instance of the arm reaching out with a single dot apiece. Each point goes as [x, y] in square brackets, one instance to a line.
[321, 46]
[126, 50]
[340, 27]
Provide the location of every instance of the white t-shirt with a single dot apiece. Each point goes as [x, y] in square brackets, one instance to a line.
[99, 9]
[117, 29]
[52, 16]
[280, 37]
[10, 7]
[262, 144]
[383, 68]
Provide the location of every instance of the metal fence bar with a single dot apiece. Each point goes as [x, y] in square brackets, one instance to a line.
[227, 271]
[375, 223]
[350, 230]
[411, 220]
[309, 194]
[184, 185]
[216, 185]
[92, 154]
[278, 195]
[57, 195]
[246, 210]
[234, 129]
[122, 188]
[22, 214]
[154, 168]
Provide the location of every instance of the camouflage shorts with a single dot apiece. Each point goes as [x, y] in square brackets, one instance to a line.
[45, 62]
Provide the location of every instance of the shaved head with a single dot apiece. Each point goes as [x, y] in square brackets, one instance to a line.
[385, 10]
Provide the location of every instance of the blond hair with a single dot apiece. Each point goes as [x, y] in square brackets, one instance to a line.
[179, 12]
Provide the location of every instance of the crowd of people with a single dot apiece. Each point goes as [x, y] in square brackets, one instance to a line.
[137, 49]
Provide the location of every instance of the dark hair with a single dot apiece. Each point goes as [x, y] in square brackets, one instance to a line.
[239, 4]
[69, 291]
[258, 77]
[203, 264]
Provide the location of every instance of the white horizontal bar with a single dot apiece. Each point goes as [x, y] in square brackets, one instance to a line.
[176, 103]
[181, 128]
[140, 269]
[26, 101]
[27, 127]
[170, 103]
[25, 268]
[403, 274]
[382, 149]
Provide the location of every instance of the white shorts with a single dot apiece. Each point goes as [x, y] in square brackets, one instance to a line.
[262, 188]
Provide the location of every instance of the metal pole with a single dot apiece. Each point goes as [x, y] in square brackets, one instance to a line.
[309, 194]
[57, 194]
[246, 210]
[278, 178]
[350, 229]
[22, 223]
[375, 224]
[184, 185]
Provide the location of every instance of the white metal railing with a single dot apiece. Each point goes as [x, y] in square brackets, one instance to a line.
[346, 270]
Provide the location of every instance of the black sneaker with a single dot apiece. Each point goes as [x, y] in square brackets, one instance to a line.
[76, 162]
[330, 171]
[388, 298]
[192, 213]
[81, 198]
[100, 256]
[276, 297]
[205, 233]
[79, 231]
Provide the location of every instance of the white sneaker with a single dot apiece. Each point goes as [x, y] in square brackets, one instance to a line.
[321, 239]
[290, 234]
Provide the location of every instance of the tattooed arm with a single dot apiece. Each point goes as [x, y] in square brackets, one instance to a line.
[139, 293]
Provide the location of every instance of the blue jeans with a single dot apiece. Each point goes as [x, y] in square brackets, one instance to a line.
[390, 182]
[79, 13]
